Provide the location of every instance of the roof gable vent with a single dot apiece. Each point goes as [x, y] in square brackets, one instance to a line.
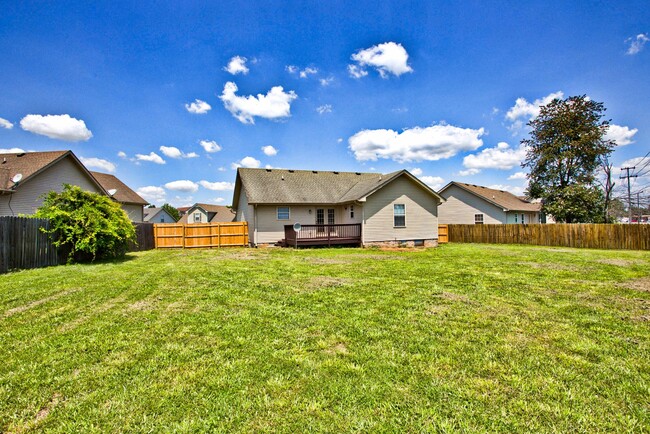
[291, 171]
[268, 170]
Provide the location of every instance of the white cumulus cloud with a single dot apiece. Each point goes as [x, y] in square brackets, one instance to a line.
[98, 163]
[217, 186]
[415, 144]
[517, 191]
[526, 110]
[501, 157]
[518, 175]
[248, 162]
[387, 58]
[620, 134]
[468, 172]
[210, 146]
[60, 127]
[183, 185]
[218, 200]
[416, 171]
[237, 65]
[326, 81]
[435, 182]
[307, 72]
[198, 107]
[173, 152]
[121, 154]
[269, 151]
[275, 104]
[637, 43]
[326, 108]
[151, 157]
[11, 151]
[152, 193]
[6, 124]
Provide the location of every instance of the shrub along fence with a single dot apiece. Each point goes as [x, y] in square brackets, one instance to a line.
[24, 245]
[201, 235]
[593, 236]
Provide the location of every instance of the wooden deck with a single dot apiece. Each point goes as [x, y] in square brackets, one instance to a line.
[322, 235]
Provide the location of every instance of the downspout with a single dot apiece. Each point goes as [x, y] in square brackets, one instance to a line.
[255, 225]
[363, 225]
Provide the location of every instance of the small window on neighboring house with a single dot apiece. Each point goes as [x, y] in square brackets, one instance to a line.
[399, 215]
[162, 219]
[522, 219]
[283, 213]
[197, 217]
[478, 219]
[516, 218]
[351, 211]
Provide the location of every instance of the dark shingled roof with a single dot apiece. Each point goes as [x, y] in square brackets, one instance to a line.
[26, 163]
[500, 198]
[123, 194]
[281, 186]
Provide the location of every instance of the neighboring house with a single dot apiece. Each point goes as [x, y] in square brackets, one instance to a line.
[391, 209]
[473, 204]
[26, 177]
[157, 215]
[128, 199]
[206, 213]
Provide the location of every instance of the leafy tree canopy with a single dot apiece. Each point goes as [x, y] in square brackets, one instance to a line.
[88, 224]
[172, 211]
[565, 148]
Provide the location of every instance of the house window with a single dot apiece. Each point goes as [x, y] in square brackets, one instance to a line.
[197, 217]
[162, 219]
[522, 219]
[283, 213]
[330, 216]
[516, 218]
[351, 211]
[399, 215]
[478, 219]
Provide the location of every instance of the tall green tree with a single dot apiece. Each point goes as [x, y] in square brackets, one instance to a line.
[566, 146]
[172, 211]
[88, 225]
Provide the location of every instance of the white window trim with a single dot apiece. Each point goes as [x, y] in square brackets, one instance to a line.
[404, 205]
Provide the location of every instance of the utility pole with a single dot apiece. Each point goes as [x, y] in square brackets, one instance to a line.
[638, 204]
[629, 194]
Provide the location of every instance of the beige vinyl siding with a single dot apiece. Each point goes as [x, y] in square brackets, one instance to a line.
[421, 213]
[271, 230]
[529, 217]
[461, 206]
[203, 215]
[245, 213]
[27, 197]
[133, 211]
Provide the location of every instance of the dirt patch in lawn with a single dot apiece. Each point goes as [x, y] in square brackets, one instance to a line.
[36, 303]
[641, 284]
[619, 262]
[322, 282]
[96, 310]
[339, 348]
[40, 416]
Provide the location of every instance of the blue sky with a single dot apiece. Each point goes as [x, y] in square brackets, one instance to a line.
[171, 97]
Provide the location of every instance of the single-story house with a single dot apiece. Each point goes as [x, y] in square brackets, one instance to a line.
[157, 215]
[129, 200]
[336, 207]
[206, 213]
[474, 204]
[26, 177]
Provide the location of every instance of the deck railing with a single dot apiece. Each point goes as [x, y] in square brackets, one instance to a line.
[322, 235]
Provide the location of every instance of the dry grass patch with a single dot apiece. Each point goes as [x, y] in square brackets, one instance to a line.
[641, 284]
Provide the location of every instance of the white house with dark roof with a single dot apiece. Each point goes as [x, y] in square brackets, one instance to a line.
[474, 204]
[337, 207]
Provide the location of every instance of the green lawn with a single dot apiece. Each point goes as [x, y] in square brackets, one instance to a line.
[463, 338]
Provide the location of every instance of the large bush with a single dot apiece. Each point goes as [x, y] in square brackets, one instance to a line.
[89, 225]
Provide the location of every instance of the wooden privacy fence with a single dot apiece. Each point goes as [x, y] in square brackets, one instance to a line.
[24, 245]
[594, 236]
[443, 234]
[201, 235]
[144, 239]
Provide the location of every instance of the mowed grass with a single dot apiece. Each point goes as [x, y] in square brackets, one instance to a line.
[462, 338]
